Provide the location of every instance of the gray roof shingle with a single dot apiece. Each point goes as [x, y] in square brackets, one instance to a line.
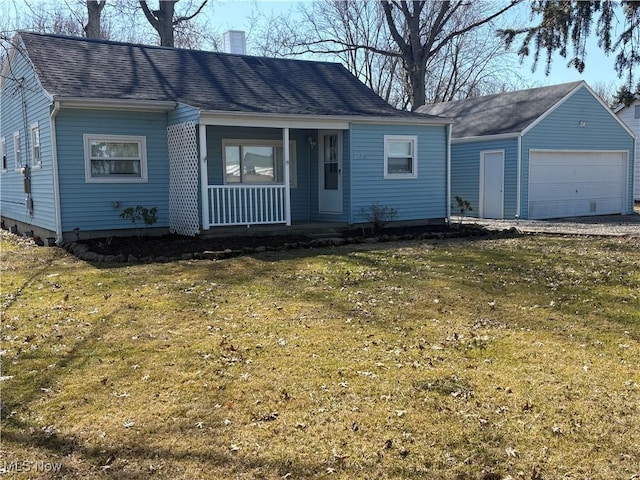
[95, 69]
[503, 113]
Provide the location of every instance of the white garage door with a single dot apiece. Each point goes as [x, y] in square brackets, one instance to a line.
[566, 184]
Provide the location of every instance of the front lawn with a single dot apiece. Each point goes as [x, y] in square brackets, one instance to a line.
[488, 358]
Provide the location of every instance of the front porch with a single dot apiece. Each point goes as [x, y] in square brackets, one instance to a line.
[230, 177]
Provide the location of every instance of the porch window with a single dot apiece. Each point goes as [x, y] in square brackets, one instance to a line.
[257, 162]
[115, 158]
[35, 146]
[3, 152]
[17, 150]
[400, 156]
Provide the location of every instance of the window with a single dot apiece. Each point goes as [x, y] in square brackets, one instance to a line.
[3, 152]
[400, 156]
[17, 150]
[636, 113]
[36, 160]
[257, 162]
[115, 158]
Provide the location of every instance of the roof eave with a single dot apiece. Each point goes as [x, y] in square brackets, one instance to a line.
[486, 138]
[218, 117]
[116, 104]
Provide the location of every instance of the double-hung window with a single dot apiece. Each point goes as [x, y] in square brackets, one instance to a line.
[400, 156]
[115, 158]
[36, 159]
[257, 162]
[3, 152]
[17, 150]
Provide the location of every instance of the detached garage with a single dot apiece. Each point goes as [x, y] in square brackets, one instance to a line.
[547, 152]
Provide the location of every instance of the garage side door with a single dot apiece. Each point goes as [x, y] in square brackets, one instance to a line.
[567, 184]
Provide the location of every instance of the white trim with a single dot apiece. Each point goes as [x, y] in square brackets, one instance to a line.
[481, 208]
[54, 169]
[414, 157]
[564, 150]
[321, 189]
[204, 176]
[35, 165]
[286, 176]
[17, 167]
[140, 140]
[293, 179]
[117, 104]
[313, 122]
[485, 138]
[3, 155]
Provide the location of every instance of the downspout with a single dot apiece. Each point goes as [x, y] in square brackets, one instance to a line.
[54, 168]
[448, 208]
[519, 166]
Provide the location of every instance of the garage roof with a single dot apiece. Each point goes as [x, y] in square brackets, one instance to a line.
[504, 113]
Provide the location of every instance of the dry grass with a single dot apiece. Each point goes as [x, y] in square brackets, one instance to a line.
[466, 359]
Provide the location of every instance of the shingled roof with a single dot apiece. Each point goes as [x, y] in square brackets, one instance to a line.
[503, 113]
[71, 67]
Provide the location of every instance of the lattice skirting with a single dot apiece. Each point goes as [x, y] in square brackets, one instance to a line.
[183, 179]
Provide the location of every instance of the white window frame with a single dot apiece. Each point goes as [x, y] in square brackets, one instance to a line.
[36, 150]
[414, 157]
[255, 142]
[142, 149]
[3, 155]
[17, 151]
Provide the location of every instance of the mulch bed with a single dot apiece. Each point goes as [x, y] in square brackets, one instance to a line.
[177, 247]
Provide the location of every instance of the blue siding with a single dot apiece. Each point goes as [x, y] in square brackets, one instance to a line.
[414, 199]
[465, 173]
[183, 113]
[560, 130]
[90, 206]
[13, 119]
[300, 194]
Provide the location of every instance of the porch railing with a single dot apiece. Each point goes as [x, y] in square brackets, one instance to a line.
[246, 205]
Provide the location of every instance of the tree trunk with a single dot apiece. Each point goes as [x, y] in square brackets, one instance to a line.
[165, 23]
[161, 20]
[94, 12]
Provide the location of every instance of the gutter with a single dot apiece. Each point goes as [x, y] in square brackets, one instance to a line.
[283, 120]
[54, 168]
[116, 103]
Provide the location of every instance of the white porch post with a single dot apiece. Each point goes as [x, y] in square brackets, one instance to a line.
[204, 177]
[287, 174]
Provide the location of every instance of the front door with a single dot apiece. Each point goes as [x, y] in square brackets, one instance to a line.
[330, 171]
[491, 184]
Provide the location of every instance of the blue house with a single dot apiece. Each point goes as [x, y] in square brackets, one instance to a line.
[547, 152]
[211, 140]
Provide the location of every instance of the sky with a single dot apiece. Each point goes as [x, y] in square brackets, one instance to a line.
[235, 15]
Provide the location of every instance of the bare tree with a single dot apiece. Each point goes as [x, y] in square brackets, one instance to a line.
[421, 29]
[92, 28]
[164, 19]
[429, 58]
